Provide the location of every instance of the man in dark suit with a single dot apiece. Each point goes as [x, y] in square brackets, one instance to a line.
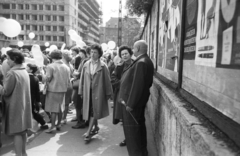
[134, 93]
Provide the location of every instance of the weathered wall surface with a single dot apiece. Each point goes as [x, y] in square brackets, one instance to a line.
[180, 130]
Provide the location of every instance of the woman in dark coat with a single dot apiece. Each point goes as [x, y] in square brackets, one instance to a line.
[125, 53]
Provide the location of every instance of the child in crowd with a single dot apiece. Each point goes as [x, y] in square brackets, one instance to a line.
[35, 95]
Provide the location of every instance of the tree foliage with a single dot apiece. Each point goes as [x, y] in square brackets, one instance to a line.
[138, 7]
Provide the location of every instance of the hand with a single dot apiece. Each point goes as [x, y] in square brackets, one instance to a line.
[129, 109]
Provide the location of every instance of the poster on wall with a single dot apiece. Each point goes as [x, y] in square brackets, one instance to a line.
[190, 29]
[169, 34]
[212, 34]
[207, 32]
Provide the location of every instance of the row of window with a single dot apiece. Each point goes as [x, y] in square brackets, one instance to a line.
[34, 17]
[39, 38]
[43, 28]
[32, 7]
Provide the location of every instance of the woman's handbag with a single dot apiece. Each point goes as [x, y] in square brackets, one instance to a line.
[75, 84]
[44, 91]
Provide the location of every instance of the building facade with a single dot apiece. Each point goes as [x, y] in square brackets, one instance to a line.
[194, 105]
[130, 29]
[51, 20]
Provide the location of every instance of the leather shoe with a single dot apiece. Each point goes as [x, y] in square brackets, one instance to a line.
[73, 120]
[78, 126]
[123, 143]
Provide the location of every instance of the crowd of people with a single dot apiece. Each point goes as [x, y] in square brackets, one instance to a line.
[85, 77]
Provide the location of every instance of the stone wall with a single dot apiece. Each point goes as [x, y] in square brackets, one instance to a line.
[180, 130]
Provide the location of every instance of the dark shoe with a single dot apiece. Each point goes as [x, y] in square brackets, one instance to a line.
[58, 127]
[44, 127]
[123, 143]
[73, 120]
[78, 126]
[94, 131]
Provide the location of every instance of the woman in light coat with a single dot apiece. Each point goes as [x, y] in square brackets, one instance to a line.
[16, 94]
[95, 88]
[58, 79]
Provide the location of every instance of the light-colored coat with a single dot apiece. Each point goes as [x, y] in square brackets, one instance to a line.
[16, 93]
[101, 90]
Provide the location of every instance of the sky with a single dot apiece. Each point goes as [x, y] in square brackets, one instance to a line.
[110, 9]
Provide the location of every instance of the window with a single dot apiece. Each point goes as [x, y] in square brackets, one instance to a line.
[41, 17]
[40, 7]
[34, 17]
[23, 27]
[20, 17]
[48, 18]
[61, 7]
[27, 27]
[21, 37]
[47, 7]
[48, 28]
[35, 27]
[54, 38]
[41, 38]
[34, 6]
[13, 6]
[6, 6]
[54, 7]
[20, 6]
[41, 28]
[14, 16]
[48, 38]
[54, 18]
[27, 6]
[61, 28]
[36, 37]
[61, 38]
[27, 17]
[54, 28]
[61, 18]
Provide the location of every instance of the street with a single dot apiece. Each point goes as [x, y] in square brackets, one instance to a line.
[69, 141]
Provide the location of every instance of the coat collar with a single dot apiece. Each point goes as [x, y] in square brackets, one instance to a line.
[138, 58]
[99, 66]
[18, 67]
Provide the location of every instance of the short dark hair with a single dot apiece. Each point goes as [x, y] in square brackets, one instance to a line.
[56, 54]
[33, 67]
[76, 49]
[84, 52]
[124, 47]
[98, 48]
[16, 56]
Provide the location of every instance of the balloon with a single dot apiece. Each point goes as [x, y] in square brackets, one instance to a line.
[48, 49]
[111, 44]
[2, 23]
[81, 44]
[104, 47]
[53, 47]
[71, 32]
[4, 50]
[20, 43]
[63, 46]
[46, 44]
[37, 55]
[75, 37]
[31, 35]
[11, 28]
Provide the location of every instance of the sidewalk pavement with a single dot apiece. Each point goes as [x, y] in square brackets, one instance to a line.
[69, 141]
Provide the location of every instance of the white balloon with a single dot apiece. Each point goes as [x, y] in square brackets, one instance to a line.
[81, 44]
[37, 55]
[4, 50]
[11, 28]
[111, 44]
[75, 37]
[71, 32]
[104, 47]
[2, 23]
[31, 35]
[48, 49]
[46, 44]
[53, 47]
[20, 43]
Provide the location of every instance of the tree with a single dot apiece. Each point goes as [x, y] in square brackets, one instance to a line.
[138, 7]
[131, 28]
